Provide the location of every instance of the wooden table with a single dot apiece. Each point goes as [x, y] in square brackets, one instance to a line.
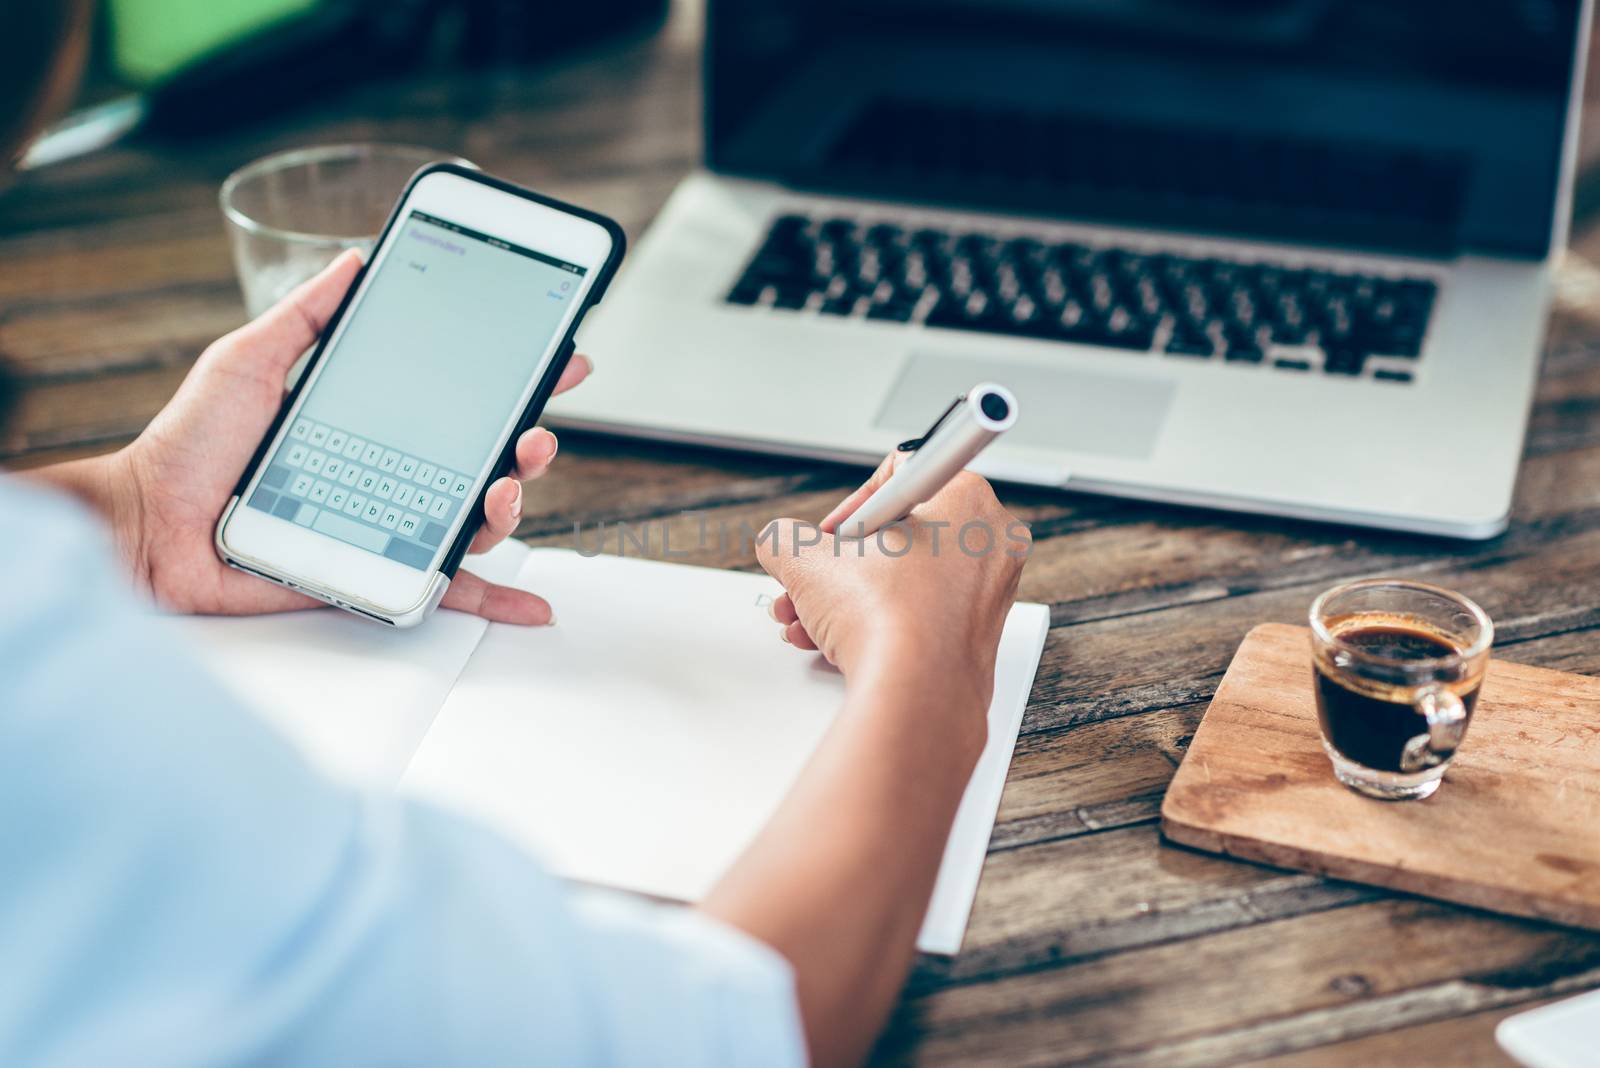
[1092, 942]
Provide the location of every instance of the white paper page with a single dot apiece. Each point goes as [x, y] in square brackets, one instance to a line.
[643, 741]
[1562, 1035]
[355, 696]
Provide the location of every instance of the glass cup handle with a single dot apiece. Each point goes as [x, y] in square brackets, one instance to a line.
[1447, 723]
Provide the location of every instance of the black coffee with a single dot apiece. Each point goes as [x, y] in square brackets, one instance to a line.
[1371, 722]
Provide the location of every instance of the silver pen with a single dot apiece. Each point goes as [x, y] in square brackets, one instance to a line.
[965, 429]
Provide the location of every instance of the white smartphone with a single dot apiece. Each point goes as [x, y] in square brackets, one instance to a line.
[369, 486]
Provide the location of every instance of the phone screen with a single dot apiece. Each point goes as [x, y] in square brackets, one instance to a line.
[409, 403]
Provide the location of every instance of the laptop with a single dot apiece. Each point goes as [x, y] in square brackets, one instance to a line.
[1275, 256]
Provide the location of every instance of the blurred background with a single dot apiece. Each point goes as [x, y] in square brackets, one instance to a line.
[205, 65]
[115, 261]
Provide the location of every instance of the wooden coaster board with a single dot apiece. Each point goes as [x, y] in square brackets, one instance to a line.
[1515, 827]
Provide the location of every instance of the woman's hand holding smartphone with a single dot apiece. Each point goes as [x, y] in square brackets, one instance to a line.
[382, 466]
[163, 492]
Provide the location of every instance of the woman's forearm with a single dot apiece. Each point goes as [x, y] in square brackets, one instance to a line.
[840, 878]
[89, 480]
[103, 485]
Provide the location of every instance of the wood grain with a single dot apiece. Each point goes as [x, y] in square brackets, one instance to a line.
[1512, 828]
[1091, 942]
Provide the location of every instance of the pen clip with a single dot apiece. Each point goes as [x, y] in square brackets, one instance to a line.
[913, 444]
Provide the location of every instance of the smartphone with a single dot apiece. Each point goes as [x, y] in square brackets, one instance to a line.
[370, 484]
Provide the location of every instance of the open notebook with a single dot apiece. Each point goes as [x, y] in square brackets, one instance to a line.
[639, 744]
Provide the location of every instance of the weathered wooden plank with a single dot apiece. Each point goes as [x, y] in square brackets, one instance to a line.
[1306, 980]
[1093, 777]
[1408, 1009]
[117, 269]
[131, 333]
[594, 487]
[1067, 900]
[85, 411]
[1462, 1042]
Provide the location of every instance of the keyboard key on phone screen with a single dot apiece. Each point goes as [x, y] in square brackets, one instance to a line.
[367, 482]
[337, 440]
[432, 534]
[389, 462]
[407, 468]
[301, 429]
[337, 497]
[319, 492]
[297, 455]
[353, 447]
[302, 485]
[408, 554]
[409, 524]
[350, 475]
[425, 474]
[371, 454]
[355, 504]
[403, 493]
[459, 487]
[440, 507]
[386, 487]
[319, 435]
[421, 501]
[391, 517]
[315, 461]
[373, 511]
[337, 526]
[332, 467]
[275, 477]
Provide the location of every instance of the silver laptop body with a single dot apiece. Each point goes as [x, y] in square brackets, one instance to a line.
[1357, 343]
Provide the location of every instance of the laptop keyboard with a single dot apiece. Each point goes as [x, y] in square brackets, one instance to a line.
[362, 493]
[1295, 319]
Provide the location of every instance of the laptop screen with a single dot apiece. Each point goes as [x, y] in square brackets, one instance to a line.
[1430, 126]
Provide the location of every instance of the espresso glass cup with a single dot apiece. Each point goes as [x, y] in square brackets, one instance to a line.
[1397, 669]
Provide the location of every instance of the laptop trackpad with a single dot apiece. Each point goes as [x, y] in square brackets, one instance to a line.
[1080, 411]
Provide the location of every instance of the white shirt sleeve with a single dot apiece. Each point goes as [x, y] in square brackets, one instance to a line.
[179, 888]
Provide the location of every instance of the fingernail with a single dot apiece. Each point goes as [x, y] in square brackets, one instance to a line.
[551, 621]
[784, 634]
[772, 610]
[516, 504]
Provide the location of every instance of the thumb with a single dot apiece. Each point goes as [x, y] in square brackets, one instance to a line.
[783, 545]
[276, 338]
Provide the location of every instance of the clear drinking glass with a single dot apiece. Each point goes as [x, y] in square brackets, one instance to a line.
[1398, 667]
[291, 213]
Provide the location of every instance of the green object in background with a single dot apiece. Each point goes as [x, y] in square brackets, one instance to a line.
[152, 39]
